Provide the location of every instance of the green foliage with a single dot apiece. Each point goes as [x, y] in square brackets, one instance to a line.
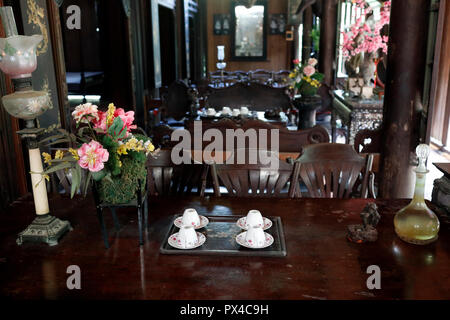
[122, 189]
[117, 129]
[315, 35]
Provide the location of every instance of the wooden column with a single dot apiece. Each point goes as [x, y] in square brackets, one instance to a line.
[402, 103]
[327, 48]
[307, 29]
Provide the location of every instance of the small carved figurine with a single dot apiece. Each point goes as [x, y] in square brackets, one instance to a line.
[367, 231]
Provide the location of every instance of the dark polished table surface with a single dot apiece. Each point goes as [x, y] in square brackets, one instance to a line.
[320, 262]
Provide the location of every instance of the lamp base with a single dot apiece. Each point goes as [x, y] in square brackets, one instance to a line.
[45, 228]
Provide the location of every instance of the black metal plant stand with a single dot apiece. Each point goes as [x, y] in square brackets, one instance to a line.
[141, 203]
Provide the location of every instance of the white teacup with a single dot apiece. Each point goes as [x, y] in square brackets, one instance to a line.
[226, 111]
[188, 237]
[236, 112]
[255, 237]
[254, 219]
[190, 218]
[210, 111]
[244, 111]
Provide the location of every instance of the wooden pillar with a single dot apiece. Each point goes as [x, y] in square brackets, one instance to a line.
[404, 86]
[327, 50]
[307, 29]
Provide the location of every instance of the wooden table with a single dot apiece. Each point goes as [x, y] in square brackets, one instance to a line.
[320, 262]
[356, 114]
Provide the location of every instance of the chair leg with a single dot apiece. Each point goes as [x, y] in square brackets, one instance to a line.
[141, 241]
[103, 227]
[146, 214]
[116, 221]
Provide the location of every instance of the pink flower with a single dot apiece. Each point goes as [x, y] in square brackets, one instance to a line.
[127, 118]
[92, 156]
[85, 113]
[309, 70]
[296, 61]
[101, 121]
[312, 62]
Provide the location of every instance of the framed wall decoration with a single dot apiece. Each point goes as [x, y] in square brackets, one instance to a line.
[222, 24]
[249, 31]
[277, 23]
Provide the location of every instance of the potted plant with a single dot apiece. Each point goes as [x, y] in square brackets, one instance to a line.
[361, 46]
[104, 149]
[305, 83]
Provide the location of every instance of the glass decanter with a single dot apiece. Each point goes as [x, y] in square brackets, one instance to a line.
[416, 223]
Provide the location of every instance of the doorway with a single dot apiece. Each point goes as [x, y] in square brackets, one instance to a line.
[167, 45]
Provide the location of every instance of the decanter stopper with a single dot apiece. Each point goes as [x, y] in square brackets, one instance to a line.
[422, 152]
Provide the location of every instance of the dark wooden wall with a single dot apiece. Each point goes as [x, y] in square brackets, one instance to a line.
[278, 49]
[82, 48]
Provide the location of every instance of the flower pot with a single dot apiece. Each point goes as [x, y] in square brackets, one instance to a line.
[307, 106]
[123, 188]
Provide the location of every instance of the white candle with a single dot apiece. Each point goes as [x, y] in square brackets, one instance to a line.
[38, 183]
[220, 53]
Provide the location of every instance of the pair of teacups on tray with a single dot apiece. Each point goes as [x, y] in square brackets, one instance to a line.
[254, 237]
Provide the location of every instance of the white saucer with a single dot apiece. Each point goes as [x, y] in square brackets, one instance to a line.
[240, 239]
[241, 223]
[203, 222]
[173, 241]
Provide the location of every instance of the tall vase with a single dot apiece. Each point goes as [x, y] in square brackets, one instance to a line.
[416, 223]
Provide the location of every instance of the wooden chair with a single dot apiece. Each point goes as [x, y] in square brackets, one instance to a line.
[368, 143]
[290, 140]
[253, 180]
[161, 137]
[177, 101]
[261, 76]
[330, 170]
[281, 78]
[255, 96]
[166, 178]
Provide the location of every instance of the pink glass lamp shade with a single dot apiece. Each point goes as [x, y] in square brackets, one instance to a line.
[18, 55]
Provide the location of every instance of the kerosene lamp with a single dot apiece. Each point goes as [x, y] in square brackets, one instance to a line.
[416, 223]
[18, 60]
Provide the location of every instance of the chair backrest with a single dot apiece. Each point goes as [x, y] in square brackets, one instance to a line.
[177, 101]
[289, 140]
[329, 170]
[255, 96]
[166, 178]
[368, 141]
[261, 76]
[281, 77]
[254, 180]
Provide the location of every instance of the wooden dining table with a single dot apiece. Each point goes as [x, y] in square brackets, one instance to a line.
[320, 262]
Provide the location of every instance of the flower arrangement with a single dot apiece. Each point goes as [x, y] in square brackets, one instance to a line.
[306, 80]
[106, 150]
[364, 36]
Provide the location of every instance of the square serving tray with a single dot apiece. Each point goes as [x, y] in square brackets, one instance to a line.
[221, 232]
